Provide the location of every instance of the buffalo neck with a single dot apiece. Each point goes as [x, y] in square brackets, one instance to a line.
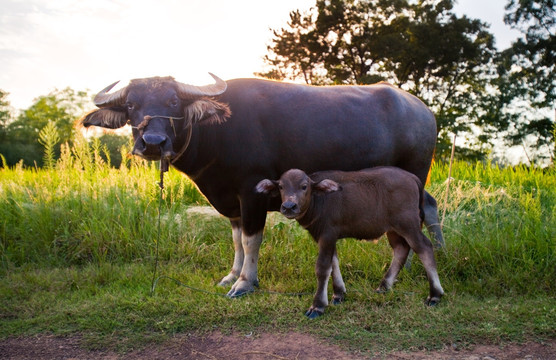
[196, 157]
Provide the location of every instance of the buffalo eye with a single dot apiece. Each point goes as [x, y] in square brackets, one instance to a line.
[174, 102]
[130, 106]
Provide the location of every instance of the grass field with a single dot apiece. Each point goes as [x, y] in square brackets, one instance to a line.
[78, 245]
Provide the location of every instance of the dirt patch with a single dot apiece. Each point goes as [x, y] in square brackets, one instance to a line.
[528, 351]
[202, 210]
[255, 347]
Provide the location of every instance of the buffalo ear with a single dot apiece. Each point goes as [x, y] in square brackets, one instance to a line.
[267, 187]
[207, 111]
[110, 118]
[327, 186]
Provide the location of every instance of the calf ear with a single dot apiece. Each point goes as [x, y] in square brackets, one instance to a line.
[327, 186]
[107, 118]
[267, 187]
[207, 111]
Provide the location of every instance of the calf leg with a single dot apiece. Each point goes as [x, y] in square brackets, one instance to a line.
[432, 224]
[337, 281]
[239, 255]
[423, 248]
[401, 250]
[323, 269]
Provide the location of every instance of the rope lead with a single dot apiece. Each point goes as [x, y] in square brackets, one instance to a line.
[163, 168]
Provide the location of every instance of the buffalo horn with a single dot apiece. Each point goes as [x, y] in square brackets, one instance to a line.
[190, 91]
[103, 99]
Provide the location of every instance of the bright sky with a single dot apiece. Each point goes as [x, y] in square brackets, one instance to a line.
[88, 44]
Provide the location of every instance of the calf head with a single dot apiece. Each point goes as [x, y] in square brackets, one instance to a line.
[296, 189]
[160, 111]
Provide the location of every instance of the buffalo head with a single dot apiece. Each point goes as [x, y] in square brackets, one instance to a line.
[160, 110]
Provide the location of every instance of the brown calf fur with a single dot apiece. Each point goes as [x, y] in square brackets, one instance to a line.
[364, 204]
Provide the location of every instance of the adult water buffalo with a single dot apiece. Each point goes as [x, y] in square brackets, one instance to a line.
[261, 129]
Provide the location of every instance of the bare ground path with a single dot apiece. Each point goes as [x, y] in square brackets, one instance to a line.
[256, 347]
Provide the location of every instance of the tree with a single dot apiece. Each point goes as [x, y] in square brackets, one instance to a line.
[5, 114]
[61, 107]
[529, 70]
[5, 118]
[420, 46]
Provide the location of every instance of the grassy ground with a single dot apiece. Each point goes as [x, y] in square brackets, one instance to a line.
[78, 245]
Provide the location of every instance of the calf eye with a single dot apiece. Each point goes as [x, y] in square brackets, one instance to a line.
[304, 187]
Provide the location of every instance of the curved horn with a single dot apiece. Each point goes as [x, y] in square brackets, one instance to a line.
[190, 91]
[102, 99]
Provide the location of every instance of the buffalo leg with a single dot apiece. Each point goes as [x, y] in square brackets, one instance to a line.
[401, 250]
[248, 277]
[238, 255]
[337, 281]
[323, 270]
[253, 217]
[432, 221]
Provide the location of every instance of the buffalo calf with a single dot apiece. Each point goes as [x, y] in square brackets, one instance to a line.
[362, 204]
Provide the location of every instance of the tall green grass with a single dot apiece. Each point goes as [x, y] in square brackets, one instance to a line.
[500, 227]
[78, 245]
[85, 211]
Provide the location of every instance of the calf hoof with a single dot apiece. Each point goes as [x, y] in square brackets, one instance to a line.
[432, 301]
[384, 287]
[314, 312]
[337, 300]
[381, 290]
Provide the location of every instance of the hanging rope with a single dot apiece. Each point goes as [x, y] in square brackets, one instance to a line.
[163, 169]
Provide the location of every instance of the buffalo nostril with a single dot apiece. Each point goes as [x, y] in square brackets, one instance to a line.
[289, 205]
[153, 139]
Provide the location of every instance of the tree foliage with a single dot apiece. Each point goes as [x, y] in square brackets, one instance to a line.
[422, 47]
[37, 134]
[60, 107]
[529, 69]
[448, 61]
[5, 115]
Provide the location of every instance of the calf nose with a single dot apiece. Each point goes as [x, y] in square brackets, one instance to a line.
[154, 139]
[289, 206]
